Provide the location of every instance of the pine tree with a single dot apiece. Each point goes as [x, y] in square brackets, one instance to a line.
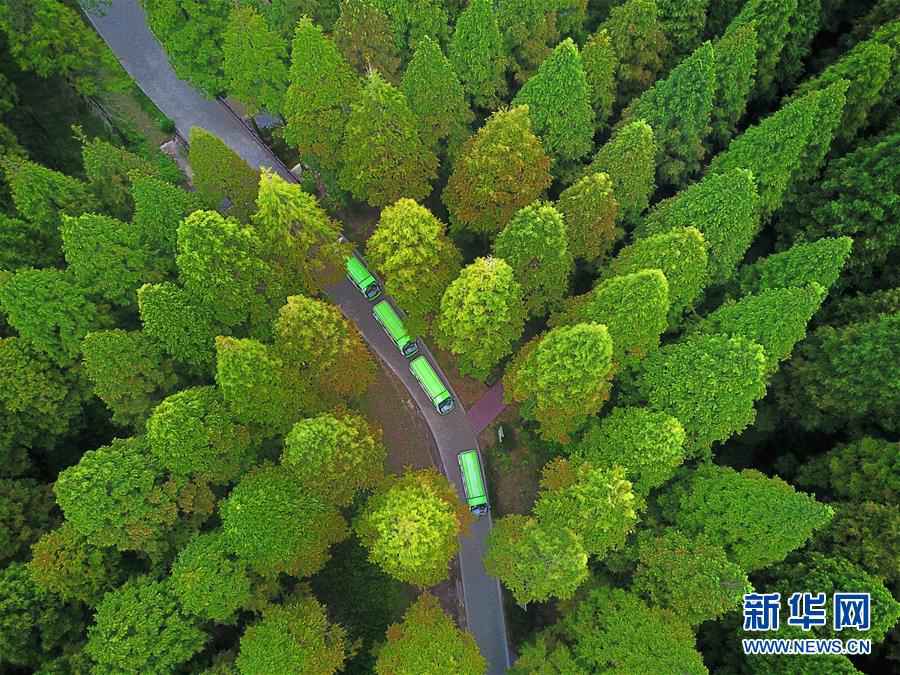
[435, 95]
[864, 470]
[639, 44]
[365, 37]
[415, 19]
[408, 240]
[559, 104]
[498, 171]
[159, 208]
[562, 379]
[735, 75]
[678, 110]
[648, 445]
[723, 207]
[478, 54]
[317, 105]
[589, 212]
[482, 314]
[682, 23]
[383, 157]
[629, 160]
[529, 29]
[804, 263]
[600, 68]
[535, 246]
[805, 24]
[254, 61]
[220, 173]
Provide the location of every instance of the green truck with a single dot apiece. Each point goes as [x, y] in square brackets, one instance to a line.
[362, 278]
[390, 320]
[432, 385]
[473, 481]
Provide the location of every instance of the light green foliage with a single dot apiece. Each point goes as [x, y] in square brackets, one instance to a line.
[428, 641]
[693, 579]
[415, 19]
[723, 207]
[600, 68]
[563, 379]
[681, 256]
[482, 315]
[185, 328]
[411, 251]
[648, 445]
[559, 104]
[682, 23]
[141, 628]
[589, 212]
[322, 348]
[295, 637]
[159, 208]
[772, 19]
[709, 383]
[129, 373]
[596, 504]
[533, 561]
[258, 386]
[678, 110]
[775, 319]
[365, 37]
[629, 158]
[529, 29]
[220, 173]
[318, 100]
[48, 309]
[26, 509]
[208, 580]
[499, 170]
[65, 563]
[639, 43]
[254, 62]
[411, 525]
[804, 263]
[105, 257]
[857, 196]
[335, 456]
[535, 246]
[191, 33]
[478, 54]
[735, 75]
[274, 525]
[383, 157]
[191, 433]
[757, 520]
[867, 469]
[118, 496]
[436, 97]
[847, 375]
[219, 265]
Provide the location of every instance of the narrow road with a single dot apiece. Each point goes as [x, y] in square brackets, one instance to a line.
[123, 26]
[487, 408]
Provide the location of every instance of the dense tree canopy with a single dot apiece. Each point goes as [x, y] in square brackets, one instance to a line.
[589, 210]
[629, 160]
[478, 55]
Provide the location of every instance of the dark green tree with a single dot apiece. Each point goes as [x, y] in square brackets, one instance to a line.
[865, 470]
[220, 173]
[366, 38]
[601, 66]
[629, 160]
[254, 61]
[639, 44]
[159, 208]
[805, 24]
[682, 23]
[589, 211]
[414, 20]
[529, 29]
[26, 510]
[478, 54]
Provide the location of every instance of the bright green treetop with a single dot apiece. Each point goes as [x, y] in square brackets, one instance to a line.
[735, 75]
[482, 315]
[535, 245]
[366, 38]
[335, 456]
[295, 637]
[254, 61]
[639, 44]
[600, 68]
[648, 445]
[478, 54]
[629, 158]
[411, 251]
[596, 504]
[757, 520]
[427, 640]
[533, 561]
[589, 212]
[274, 525]
[220, 173]
[499, 170]
[411, 525]
[141, 628]
[563, 378]
[867, 469]
[383, 157]
[559, 104]
[819, 261]
[317, 104]
[772, 19]
[709, 383]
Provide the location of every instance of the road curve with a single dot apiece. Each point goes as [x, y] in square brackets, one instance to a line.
[123, 26]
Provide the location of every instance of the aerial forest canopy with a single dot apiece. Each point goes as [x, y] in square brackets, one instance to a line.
[669, 229]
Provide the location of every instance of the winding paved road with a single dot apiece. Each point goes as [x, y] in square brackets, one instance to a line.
[124, 27]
